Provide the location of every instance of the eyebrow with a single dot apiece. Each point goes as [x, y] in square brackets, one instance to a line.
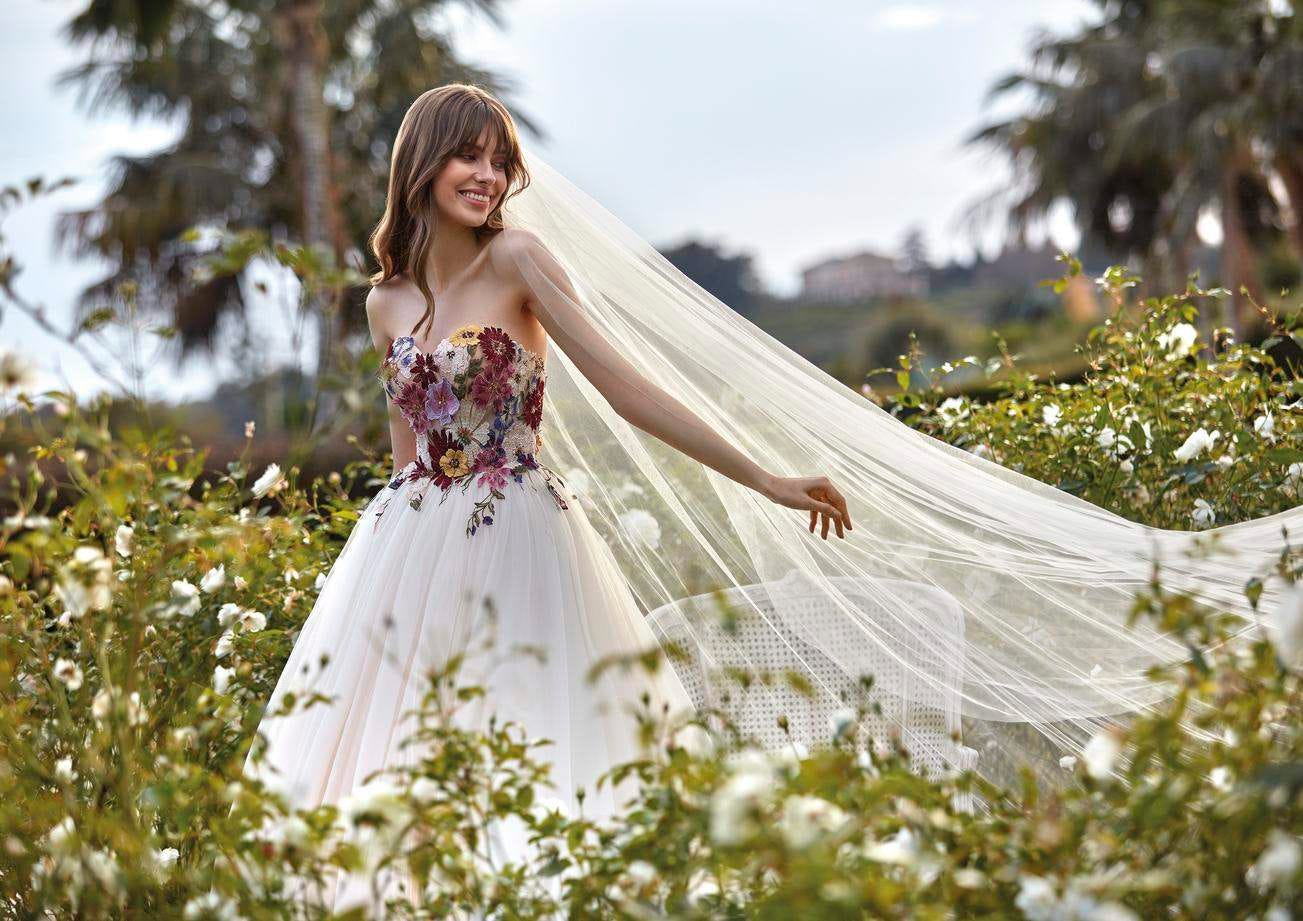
[477, 146]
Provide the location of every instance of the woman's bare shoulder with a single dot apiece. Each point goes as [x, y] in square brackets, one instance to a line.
[384, 306]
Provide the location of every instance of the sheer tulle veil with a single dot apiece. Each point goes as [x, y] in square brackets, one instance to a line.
[983, 602]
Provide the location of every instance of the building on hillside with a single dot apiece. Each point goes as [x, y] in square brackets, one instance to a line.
[857, 277]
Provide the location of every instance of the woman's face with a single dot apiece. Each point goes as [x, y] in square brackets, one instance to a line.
[472, 182]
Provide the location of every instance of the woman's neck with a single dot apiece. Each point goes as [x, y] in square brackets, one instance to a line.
[452, 251]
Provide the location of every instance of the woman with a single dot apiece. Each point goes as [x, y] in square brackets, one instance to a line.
[474, 521]
[979, 600]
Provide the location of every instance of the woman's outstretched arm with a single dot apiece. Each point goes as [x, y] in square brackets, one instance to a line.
[553, 299]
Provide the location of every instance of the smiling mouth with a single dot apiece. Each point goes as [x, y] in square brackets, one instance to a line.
[475, 198]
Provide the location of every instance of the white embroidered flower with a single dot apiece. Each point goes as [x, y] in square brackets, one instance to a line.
[1198, 441]
[451, 361]
[269, 483]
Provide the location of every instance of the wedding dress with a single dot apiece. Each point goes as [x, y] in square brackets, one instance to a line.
[476, 537]
[991, 609]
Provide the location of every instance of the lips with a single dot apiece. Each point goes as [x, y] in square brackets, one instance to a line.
[471, 195]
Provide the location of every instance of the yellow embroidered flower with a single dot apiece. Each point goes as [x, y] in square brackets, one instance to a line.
[454, 463]
[468, 334]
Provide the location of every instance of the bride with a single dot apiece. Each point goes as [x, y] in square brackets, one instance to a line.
[474, 518]
[616, 491]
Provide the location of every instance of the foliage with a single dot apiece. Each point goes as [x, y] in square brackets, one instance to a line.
[146, 620]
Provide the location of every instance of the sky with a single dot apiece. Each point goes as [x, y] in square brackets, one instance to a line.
[790, 132]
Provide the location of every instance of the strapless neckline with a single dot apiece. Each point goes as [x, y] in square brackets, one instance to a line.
[447, 340]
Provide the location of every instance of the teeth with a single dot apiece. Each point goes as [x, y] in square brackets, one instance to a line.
[476, 196]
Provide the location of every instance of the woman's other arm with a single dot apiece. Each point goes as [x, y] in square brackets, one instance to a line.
[378, 314]
[553, 299]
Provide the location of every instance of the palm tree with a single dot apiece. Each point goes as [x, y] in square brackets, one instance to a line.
[275, 101]
[1155, 114]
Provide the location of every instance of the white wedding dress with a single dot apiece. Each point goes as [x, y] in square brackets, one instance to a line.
[475, 521]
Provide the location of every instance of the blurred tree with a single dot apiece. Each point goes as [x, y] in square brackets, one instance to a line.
[1155, 114]
[732, 279]
[913, 251]
[286, 113]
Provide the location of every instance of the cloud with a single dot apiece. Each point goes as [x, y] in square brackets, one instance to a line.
[901, 17]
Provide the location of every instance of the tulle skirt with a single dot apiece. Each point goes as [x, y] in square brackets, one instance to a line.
[408, 589]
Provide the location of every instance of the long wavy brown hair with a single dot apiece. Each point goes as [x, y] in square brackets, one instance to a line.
[438, 124]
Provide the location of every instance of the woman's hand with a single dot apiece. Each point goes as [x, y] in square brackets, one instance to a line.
[815, 493]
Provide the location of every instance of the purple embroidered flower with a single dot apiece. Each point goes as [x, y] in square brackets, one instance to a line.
[403, 351]
[441, 402]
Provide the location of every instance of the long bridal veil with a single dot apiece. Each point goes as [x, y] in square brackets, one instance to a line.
[990, 608]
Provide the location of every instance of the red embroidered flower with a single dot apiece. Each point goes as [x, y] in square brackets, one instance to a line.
[439, 443]
[411, 403]
[532, 410]
[492, 386]
[491, 465]
[498, 348]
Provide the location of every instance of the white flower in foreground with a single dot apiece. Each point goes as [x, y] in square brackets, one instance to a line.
[1220, 778]
[1068, 762]
[167, 857]
[222, 678]
[1278, 864]
[1203, 514]
[1051, 414]
[63, 769]
[1285, 625]
[101, 704]
[641, 873]
[695, 740]
[252, 621]
[17, 372]
[807, 819]
[123, 539]
[58, 840]
[225, 643]
[644, 527]
[240, 582]
[214, 579]
[269, 483]
[734, 804]
[842, 721]
[185, 598]
[372, 817]
[1265, 426]
[1100, 753]
[952, 410]
[902, 848]
[211, 904]
[83, 584]
[1037, 899]
[1197, 442]
[1178, 340]
[228, 613]
[68, 672]
[1293, 477]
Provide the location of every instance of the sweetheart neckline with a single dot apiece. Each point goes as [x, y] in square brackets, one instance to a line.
[456, 329]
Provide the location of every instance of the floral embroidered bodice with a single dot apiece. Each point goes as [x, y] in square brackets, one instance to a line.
[475, 404]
